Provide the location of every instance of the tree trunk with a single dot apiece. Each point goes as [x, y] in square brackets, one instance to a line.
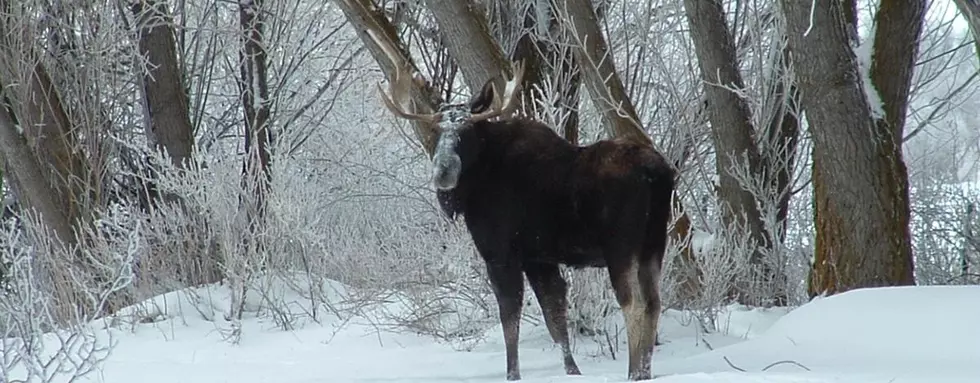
[467, 37]
[255, 97]
[569, 101]
[531, 51]
[783, 137]
[779, 156]
[598, 69]
[26, 176]
[543, 57]
[167, 105]
[35, 106]
[896, 45]
[364, 16]
[860, 180]
[732, 131]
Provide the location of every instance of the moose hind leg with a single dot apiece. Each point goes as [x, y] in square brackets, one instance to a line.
[508, 287]
[551, 290]
[636, 286]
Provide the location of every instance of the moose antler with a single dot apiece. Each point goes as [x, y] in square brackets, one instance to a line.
[397, 99]
[508, 104]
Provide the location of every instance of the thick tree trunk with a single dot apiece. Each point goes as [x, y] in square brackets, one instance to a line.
[896, 45]
[466, 34]
[26, 176]
[732, 130]
[50, 131]
[364, 16]
[860, 180]
[167, 105]
[35, 106]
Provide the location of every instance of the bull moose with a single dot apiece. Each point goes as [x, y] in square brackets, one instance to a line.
[532, 201]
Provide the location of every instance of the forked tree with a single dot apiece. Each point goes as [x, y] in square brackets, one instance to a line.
[857, 121]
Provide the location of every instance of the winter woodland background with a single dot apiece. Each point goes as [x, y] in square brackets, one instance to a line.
[151, 146]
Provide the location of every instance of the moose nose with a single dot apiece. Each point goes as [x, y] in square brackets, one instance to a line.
[446, 170]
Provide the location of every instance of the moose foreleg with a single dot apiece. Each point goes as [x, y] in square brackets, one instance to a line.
[508, 287]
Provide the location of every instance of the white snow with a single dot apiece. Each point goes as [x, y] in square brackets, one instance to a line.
[886, 335]
[864, 51]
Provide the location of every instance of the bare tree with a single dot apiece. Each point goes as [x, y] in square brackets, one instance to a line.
[26, 176]
[167, 106]
[734, 135]
[367, 17]
[860, 180]
[548, 62]
[579, 22]
[254, 85]
[578, 18]
[466, 35]
[35, 105]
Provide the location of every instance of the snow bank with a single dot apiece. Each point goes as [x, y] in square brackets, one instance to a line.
[900, 334]
[886, 335]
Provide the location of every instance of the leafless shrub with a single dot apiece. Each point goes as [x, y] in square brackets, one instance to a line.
[52, 295]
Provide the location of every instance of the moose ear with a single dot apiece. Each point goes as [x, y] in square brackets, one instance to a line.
[484, 100]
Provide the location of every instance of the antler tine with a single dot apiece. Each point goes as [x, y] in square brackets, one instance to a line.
[508, 103]
[397, 99]
[512, 92]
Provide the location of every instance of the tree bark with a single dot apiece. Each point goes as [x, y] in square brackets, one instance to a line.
[579, 20]
[26, 176]
[167, 105]
[531, 51]
[783, 136]
[255, 99]
[896, 45]
[467, 37]
[364, 16]
[860, 180]
[543, 57]
[569, 101]
[732, 129]
[779, 155]
[36, 107]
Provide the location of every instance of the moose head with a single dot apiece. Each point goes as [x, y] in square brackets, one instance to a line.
[451, 120]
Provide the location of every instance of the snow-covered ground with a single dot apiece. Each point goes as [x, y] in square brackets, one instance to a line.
[888, 335]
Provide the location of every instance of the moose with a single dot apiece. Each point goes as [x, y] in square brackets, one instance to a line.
[532, 201]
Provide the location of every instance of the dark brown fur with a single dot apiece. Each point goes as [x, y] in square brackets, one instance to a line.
[532, 201]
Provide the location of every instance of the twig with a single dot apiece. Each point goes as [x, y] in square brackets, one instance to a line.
[786, 362]
[732, 365]
[766, 368]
